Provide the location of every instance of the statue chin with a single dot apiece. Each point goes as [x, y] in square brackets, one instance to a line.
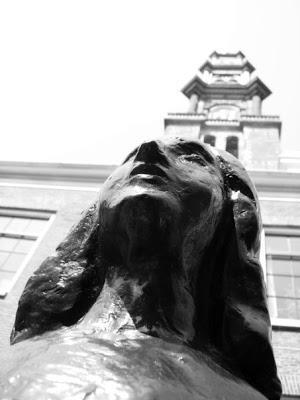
[147, 221]
[139, 189]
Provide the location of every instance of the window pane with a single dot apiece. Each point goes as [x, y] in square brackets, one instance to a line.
[296, 267]
[297, 286]
[4, 222]
[298, 308]
[272, 306]
[210, 139]
[271, 285]
[280, 286]
[6, 276]
[280, 267]
[4, 286]
[7, 244]
[17, 225]
[3, 257]
[295, 244]
[13, 246]
[283, 276]
[5, 280]
[35, 227]
[286, 308]
[13, 262]
[232, 145]
[24, 246]
[277, 244]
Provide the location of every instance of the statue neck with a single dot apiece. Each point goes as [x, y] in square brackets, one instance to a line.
[155, 301]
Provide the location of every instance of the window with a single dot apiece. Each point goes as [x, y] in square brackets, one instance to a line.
[210, 139]
[283, 273]
[232, 145]
[19, 231]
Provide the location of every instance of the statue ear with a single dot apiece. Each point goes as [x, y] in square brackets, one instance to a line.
[64, 287]
[246, 329]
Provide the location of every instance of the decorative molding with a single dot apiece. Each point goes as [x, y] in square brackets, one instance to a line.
[84, 174]
[276, 181]
[193, 118]
[243, 66]
[229, 91]
[290, 385]
[20, 173]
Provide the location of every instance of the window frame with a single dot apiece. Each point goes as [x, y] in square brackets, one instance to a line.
[228, 144]
[210, 137]
[280, 230]
[16, 212]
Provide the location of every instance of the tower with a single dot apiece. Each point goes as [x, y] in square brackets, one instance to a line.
[225, 111]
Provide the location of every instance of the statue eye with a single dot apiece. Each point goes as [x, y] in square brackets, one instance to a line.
[193, 158]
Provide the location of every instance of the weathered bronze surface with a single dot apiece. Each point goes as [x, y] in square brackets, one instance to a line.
[157, 293]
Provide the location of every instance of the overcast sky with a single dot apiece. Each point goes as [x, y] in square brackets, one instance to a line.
[85, 81]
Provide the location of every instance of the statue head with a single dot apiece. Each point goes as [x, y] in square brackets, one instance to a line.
[164, 201]
[179, 222]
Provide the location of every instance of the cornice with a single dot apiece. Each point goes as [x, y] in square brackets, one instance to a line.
[229, 91]
[244, 66]
[82, 174]
[237, 53]
[262, 120]
[244, 120]
[276, 181]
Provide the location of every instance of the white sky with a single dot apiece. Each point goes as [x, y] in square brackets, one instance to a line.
[85, 81]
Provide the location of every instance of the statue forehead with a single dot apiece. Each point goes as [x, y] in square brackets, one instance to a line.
[174, 141]
[182, 145]
[189, 145]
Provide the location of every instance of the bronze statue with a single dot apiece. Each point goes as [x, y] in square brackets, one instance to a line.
[157, 293]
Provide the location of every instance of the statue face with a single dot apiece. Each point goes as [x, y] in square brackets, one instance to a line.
[165, 190]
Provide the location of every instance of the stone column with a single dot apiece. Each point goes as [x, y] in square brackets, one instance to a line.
[221, 141]
[256, 105]
[193, 108]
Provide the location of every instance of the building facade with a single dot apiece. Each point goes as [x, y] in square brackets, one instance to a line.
[40, 202]
[225, 110]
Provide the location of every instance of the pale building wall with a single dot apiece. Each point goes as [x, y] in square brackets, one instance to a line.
[191, 131]
[261, 147]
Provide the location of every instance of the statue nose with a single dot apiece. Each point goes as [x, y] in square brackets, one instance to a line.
[151, 152]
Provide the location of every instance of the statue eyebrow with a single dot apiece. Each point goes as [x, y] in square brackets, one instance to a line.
[132, 153]
[191, 147]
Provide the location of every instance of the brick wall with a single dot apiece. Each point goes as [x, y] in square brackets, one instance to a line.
[68, 205]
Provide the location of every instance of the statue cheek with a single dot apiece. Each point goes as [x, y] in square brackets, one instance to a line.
[196, 201]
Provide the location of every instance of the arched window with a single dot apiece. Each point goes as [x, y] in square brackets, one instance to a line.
[232, 143]
[210, 139]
